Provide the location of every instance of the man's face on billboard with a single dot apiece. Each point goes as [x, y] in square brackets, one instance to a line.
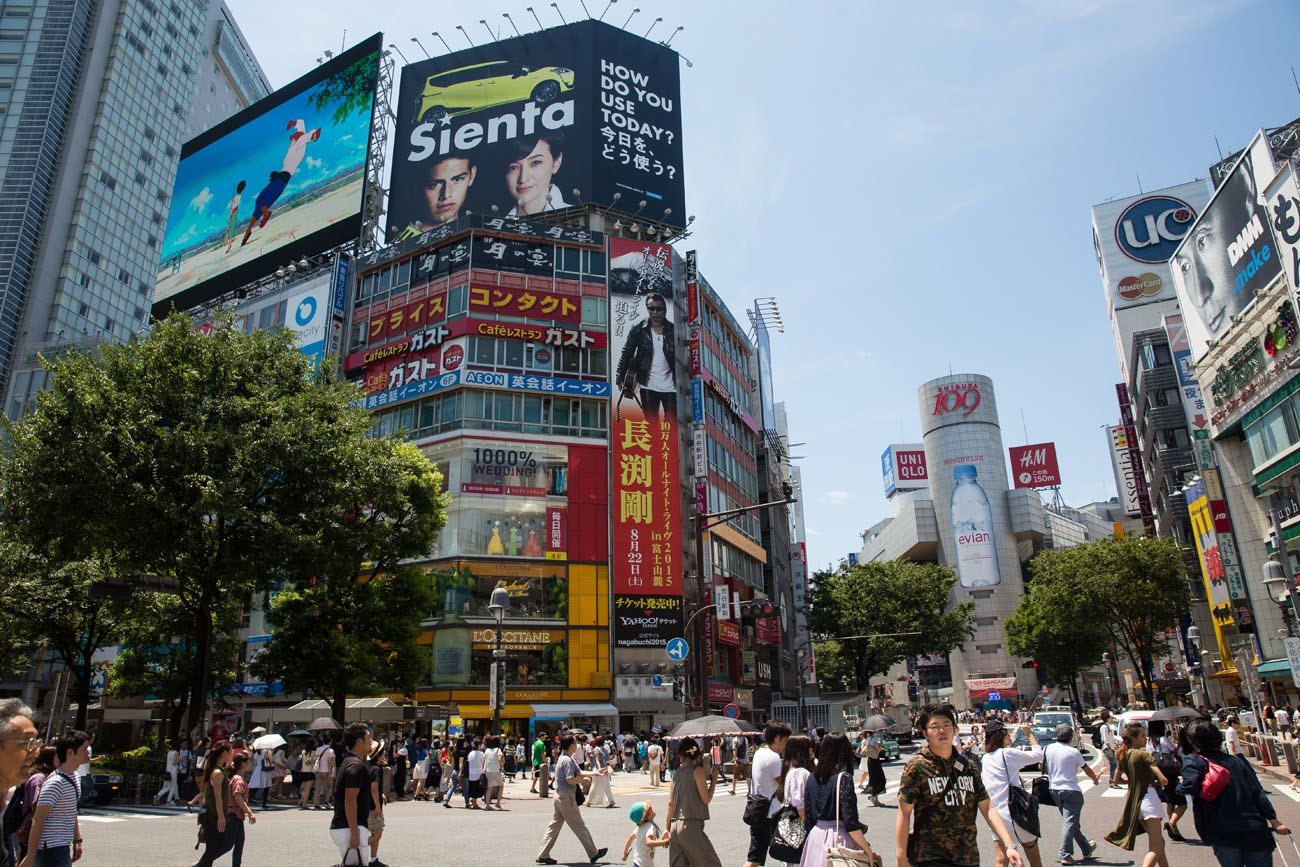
[658, 310]
[529, 179]
[447, 188]
[1208, 272]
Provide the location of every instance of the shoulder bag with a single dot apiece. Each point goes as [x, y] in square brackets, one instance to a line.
[1041, 787]
[1022, 805]
[756, 809]
[788, 835]
[839, 855]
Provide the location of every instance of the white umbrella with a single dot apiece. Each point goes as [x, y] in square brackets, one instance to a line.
[269, 742]
[257, 731]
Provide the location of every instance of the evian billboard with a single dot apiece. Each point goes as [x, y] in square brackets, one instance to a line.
[1135, 237]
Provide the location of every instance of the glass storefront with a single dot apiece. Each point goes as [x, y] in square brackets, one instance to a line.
[538, 591]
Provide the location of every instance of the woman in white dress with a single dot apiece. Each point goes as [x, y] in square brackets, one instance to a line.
[260, 777]
[420, 771]
[1000, 770]
[796, 767]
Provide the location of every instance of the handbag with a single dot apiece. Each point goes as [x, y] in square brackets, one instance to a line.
[838, 855]
[344, 862]
[1022, 805]
[1216, 779]
[756, 810]
[788, 835]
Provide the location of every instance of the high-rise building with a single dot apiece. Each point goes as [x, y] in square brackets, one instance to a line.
[100, 98]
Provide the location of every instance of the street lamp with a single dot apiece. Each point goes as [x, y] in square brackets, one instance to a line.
[1279, 588]
[497, 606]
[1194, 639]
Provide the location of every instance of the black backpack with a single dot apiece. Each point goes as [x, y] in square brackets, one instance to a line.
[1096, 738]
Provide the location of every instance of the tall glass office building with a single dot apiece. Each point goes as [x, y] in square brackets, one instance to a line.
[96, 100]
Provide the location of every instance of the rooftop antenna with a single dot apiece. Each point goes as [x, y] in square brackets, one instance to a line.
[556, 7]
[461, 28]
[483, 21]
[607, 5]
[669, 40]
[417, 41]
[1219, 148]
[1024, 425]
[1139, 177]
[629, 18]
[344, 43]
[443, 41]
[506, 15]
[651, 27]
[535, 18]
[399, 51]
[1296, 80]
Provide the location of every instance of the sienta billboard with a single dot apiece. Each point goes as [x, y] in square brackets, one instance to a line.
[1228, 256]
[580, 114]
[280, 180]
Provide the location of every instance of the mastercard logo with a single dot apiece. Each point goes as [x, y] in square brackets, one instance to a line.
[1143, 286]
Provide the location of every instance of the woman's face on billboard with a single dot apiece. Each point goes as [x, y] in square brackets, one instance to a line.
[529, 178]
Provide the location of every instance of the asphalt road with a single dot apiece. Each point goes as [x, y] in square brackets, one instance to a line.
[427, 833]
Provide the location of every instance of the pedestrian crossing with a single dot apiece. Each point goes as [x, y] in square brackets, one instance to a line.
[1288, 791]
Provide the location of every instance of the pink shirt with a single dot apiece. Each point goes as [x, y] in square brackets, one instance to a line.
[238, 786]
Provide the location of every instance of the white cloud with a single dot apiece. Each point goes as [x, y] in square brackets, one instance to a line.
[314, 163]
[836, 498]
[200, 202]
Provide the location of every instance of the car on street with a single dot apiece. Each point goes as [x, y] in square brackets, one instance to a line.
[1045, 722]
[1023, 743]
[890, 746]
[108, 785]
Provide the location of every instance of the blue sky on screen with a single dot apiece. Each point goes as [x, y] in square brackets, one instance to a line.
[206, 179]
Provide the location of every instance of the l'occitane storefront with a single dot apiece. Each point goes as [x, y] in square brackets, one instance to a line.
[555, 634]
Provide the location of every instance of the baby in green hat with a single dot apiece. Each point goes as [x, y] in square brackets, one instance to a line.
[646, 838]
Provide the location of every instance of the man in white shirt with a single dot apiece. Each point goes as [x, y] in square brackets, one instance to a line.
[654, 756]
[1062, 764]
[767, 767]
[1109, 743]
[1283, 719]
[647, 365]
[324, 776]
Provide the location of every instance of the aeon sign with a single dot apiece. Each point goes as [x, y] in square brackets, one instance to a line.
[1150, 229]
[962, 398]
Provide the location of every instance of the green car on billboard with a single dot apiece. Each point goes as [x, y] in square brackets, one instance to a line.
[486, 85]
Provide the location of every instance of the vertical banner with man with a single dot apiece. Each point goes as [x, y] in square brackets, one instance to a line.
[643, 422]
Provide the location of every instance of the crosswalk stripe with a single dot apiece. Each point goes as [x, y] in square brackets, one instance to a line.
[1113, 792]
[105, 819]
[1288, 791]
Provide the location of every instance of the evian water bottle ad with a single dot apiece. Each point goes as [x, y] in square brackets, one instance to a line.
[968, 481]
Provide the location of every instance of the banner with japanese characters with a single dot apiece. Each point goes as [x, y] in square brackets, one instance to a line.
[580, 114]
[643, 347]
[646, 621]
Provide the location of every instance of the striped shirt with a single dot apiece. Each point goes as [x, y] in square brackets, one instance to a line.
[59, 793]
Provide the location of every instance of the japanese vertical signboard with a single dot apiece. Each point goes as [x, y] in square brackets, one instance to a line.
[644, 424]
[1135, 458]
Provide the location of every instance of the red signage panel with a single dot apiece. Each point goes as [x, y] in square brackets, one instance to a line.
[1035, 466]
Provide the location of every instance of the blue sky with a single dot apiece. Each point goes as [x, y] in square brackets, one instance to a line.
[913, 183]
[206, 179]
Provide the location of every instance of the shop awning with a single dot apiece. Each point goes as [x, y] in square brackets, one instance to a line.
[1275, 667]
[359, 709]
[512, 710]
[566, 711]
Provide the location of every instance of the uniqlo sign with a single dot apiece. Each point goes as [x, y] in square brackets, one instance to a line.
[1035, 466]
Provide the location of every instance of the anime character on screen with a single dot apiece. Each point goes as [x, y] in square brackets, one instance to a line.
[232, 217]
[299, 137]
[647, 367]
[530, 174]
[444, 193]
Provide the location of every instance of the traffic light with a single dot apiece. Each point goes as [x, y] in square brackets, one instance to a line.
[757, 608]
[678, 693]
[1032, 663]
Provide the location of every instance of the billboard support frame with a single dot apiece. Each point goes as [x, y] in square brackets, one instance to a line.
[372, 196]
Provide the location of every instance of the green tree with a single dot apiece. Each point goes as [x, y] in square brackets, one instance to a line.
[355, 627]
[157, 663]
[873, 599]
[1062, 642]
[76, 608]
[193, 457]
[1132, 589]
[348, 90]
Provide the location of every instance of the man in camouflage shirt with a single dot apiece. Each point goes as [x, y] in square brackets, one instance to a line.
[943, 790]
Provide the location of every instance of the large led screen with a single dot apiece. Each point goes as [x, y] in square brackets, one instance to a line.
[280, 180]
[573, 115]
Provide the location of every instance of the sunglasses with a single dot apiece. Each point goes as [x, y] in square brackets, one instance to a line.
[28, 744]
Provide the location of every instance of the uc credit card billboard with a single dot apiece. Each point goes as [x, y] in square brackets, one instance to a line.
[280, 180]
[572, 115]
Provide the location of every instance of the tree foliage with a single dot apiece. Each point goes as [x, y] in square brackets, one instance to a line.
[354, 628]
[201, 457]
[1062, 642]
[348, 90]
[878, 598]
[1129, 590]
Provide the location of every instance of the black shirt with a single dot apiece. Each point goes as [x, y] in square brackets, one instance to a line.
[352, 774]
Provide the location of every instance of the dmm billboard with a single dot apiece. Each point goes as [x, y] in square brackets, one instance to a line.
[280, 180]
[580, 114]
